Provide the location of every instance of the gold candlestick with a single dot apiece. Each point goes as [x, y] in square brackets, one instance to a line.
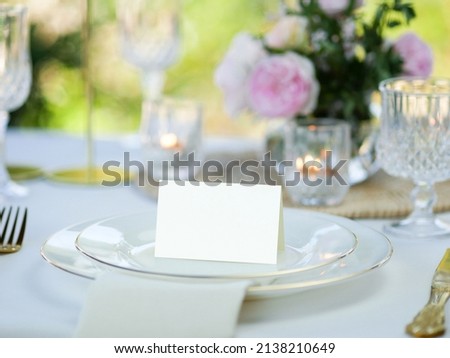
[91, 174]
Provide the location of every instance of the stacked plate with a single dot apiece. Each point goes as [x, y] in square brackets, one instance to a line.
[320, 249]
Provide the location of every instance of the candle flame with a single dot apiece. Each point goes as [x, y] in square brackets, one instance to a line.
[169, 141]
[309, 165]
[299, 163]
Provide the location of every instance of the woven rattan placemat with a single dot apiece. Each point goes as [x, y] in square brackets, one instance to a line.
[381, 196]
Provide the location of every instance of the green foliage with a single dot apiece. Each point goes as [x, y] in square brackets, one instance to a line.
[57, 96]
[57, 99]
[65, 51]
[349, 67]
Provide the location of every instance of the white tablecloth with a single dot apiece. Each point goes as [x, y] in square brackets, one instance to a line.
[39, 300]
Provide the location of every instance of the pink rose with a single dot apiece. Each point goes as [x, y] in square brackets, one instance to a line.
[335, 7]
[289, 32]
[232, 74]
[416, 54]
[283, 86]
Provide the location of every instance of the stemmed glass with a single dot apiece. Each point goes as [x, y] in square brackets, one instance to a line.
[150, 39]
[15, 80]
[414, 143]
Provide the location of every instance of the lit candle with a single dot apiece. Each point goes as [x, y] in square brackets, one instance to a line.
[309, 166]
[169, 141]
[299, 163]
[308, 158]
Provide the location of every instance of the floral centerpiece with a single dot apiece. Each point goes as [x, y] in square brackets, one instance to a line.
[323, 58]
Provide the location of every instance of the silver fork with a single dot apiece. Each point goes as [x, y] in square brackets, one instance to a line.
[9, 241]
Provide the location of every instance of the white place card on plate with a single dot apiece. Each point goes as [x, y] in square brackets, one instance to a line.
[219, 222]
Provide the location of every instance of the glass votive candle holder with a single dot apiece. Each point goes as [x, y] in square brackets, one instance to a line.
[315, 166]
[171, 138]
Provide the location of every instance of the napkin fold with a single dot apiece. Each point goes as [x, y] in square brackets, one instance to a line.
[123, 305]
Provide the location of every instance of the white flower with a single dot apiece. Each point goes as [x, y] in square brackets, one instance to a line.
[289, 32]
[232, 73]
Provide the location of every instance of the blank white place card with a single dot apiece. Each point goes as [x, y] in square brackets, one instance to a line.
[219, 222]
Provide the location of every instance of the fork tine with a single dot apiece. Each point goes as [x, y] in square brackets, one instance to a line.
[22, 228]
[1, 213]
[5, 228]
[13, 230]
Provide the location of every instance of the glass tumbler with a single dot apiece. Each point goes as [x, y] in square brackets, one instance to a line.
[315, 165]
[171, 138]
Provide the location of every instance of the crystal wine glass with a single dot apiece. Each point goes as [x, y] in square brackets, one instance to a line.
[414, 143]
[15, 80]
[150, 39]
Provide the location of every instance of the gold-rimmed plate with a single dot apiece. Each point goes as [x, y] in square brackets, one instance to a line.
[128, 243]
[373, 251]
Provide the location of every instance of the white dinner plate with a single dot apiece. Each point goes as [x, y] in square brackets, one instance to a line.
[128, 242]
[372, 252]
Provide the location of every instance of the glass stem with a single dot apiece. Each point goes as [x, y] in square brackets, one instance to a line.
[153, 84]
[4, 175]
[423, 197]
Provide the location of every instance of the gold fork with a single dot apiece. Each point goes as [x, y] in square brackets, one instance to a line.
[8, 240]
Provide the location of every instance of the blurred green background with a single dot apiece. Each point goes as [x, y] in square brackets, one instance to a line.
[57, 98]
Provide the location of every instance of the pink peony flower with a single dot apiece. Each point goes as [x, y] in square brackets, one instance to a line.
[416, 54]
[232, 74]
[283, 86]
[335, 7]
[289, 32]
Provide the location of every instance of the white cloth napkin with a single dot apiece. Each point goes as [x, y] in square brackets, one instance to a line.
[122, 305]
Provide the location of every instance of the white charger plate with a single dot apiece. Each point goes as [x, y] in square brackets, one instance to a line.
[372, 252]
[59, 250]
[128, 242]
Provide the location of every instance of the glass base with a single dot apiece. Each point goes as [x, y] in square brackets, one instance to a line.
[91, 176]
[12, 190]
[423, 228]
[24, 172]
